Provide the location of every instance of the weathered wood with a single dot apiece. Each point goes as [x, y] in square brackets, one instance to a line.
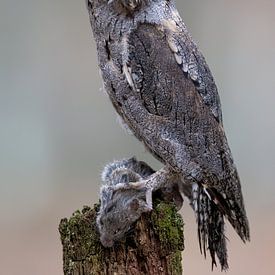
[153, 247]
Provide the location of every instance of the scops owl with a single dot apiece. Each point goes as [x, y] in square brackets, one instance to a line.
[159, 83]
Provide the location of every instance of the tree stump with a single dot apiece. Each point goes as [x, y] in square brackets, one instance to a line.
[154, 245]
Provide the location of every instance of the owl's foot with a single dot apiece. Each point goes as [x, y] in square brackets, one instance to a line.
[152, 183]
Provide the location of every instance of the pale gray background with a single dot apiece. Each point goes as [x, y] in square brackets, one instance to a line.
[57, 128]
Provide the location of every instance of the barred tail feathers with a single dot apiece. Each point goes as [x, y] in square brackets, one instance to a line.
[232, 208]
[226, 192]
[210, 226]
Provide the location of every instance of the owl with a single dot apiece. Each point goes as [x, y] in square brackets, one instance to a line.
[161, 86]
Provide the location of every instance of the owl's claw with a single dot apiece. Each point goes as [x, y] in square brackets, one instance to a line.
[149, 199]
[138, 185]
[152, 183]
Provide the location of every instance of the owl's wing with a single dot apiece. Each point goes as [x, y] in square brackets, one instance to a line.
[192, 63]
[178, 122]
[168, 98]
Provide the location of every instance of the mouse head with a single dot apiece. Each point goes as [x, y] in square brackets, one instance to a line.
[118, 214]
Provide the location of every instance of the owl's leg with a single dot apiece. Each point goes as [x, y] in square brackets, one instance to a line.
[156, 181]
[152, 183]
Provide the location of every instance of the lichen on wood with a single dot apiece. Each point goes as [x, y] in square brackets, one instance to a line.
[153, 246]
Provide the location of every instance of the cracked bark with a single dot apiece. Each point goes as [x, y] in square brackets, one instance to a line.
[153, 247]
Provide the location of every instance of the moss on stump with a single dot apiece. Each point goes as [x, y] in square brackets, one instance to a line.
[153, 247]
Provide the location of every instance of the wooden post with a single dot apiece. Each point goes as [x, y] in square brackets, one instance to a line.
[153, 247]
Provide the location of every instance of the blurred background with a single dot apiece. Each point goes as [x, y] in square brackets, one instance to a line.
[58, 129]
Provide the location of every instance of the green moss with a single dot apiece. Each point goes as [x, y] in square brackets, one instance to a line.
[82, 248]
[80, 238]
[175, 263]
[169, 226]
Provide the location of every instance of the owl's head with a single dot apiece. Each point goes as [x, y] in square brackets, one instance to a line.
[116, 17]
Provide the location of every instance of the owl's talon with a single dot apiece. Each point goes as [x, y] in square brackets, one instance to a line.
[148, 197]
[130, 185]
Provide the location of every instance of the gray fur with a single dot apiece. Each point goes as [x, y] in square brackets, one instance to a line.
[161, 86]
[120, 209]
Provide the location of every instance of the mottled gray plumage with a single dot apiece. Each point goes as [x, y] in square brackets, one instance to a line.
[161, 86]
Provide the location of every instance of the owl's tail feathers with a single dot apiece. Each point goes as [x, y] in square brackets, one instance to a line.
[233, 209]
[211, 206]
[210, 226]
